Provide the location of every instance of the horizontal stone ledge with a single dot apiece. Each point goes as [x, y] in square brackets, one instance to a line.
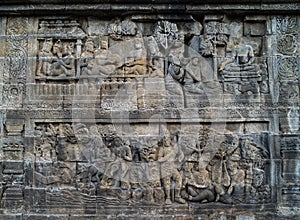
[144, 1]
[89, 8]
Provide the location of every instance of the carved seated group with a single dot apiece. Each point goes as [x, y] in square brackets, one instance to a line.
[56, 59]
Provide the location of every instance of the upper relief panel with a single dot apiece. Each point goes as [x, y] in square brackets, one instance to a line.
[182, 64]
[59, 46]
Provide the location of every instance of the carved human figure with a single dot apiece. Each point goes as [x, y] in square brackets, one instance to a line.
[199, 187]
[156, 63]
[252, 154]
[101, 154]
[88, 176]
[237, 177]
[87, 55]
[154, 191]
[170, 157]
[57, 174]
[125, 154]
[105, 62]
[219, 173]
[137, 181]
[151, 182]
[65, 63]
[173, 83]
[241, 61]
[193, 77]
[157, 68]
[46, 150]
[45, 58]
[64, 173]
[117, 171]
[136, 63]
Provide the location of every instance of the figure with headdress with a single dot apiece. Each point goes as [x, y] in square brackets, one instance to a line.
[136, 63]
[87, 55]
[45, 58]
[170, 157]
[65, 63]
[105, 62]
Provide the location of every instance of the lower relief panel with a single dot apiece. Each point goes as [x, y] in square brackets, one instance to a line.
[84, 168]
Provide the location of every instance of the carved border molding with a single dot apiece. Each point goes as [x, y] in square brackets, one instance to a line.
[111, 7]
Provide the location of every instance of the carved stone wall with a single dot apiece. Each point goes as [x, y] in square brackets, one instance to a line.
[149, 111]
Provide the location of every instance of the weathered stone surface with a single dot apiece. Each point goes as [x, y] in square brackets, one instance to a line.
[154, 110]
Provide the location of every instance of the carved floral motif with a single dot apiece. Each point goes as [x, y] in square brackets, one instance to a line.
[287, 35]
[15, 62]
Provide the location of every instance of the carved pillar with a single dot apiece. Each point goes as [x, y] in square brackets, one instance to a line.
[287, 63]
[15, 64]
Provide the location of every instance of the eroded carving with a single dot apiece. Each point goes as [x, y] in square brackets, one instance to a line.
[15, 65]
[150, 169]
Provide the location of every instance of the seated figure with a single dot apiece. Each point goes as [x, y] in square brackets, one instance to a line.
[136, 63]
[199, 187]
[64, 64]
[241, 63]
[105, 62]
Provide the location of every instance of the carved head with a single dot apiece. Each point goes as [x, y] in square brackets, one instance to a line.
[47, 46]
[258, 177]
[236, 40]
[195, 61]
[89, 45]
[94, 130]
[82, 133]
[71, 47]
[67, 48]
[57, 47]
[138, 43]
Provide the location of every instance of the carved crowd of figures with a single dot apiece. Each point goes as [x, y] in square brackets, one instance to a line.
[190, 66]
[188, 70]
[56, 59]
[166, 169]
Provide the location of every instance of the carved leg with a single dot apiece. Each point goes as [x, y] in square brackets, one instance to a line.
[167, 186]
[204, 195]
[178, 181]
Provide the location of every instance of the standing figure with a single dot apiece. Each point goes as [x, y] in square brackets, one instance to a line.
[156, 62]
[45, 58]
[219, 173]
[237, 177]
[87, 55]
[170, 158]
[173, 82]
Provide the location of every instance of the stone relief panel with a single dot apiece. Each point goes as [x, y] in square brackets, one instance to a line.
[59, 43]
[119, 75]
[91, 162]
[287, 57]
[189, 61]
